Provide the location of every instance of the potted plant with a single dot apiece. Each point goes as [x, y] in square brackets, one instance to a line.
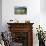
[41, 36]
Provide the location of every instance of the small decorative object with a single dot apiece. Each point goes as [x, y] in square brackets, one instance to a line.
[11, 20]
[14, 21]
[27, 21]
[41, 36]
[20, 10]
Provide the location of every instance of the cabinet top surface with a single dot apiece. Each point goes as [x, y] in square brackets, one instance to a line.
[19, 23]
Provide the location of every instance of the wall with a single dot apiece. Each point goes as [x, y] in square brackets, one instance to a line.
[0, 15]
[33, 10]
[34, 14]
[43, 6]
[43, 14]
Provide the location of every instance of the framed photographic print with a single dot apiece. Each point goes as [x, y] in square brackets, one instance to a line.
[20, 10]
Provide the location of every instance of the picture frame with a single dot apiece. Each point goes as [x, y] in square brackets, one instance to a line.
[20, 10]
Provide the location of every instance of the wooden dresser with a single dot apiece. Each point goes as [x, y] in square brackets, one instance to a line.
[22, 33]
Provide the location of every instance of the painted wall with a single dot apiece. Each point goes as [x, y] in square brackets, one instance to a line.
[43, 14]
[0, 15]
[34, 14]
[43, 6]
[33, 10]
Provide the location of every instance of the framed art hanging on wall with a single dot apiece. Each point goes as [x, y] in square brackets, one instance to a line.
[20, 10]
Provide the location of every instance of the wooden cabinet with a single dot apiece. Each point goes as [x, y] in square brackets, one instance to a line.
[22, 33]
